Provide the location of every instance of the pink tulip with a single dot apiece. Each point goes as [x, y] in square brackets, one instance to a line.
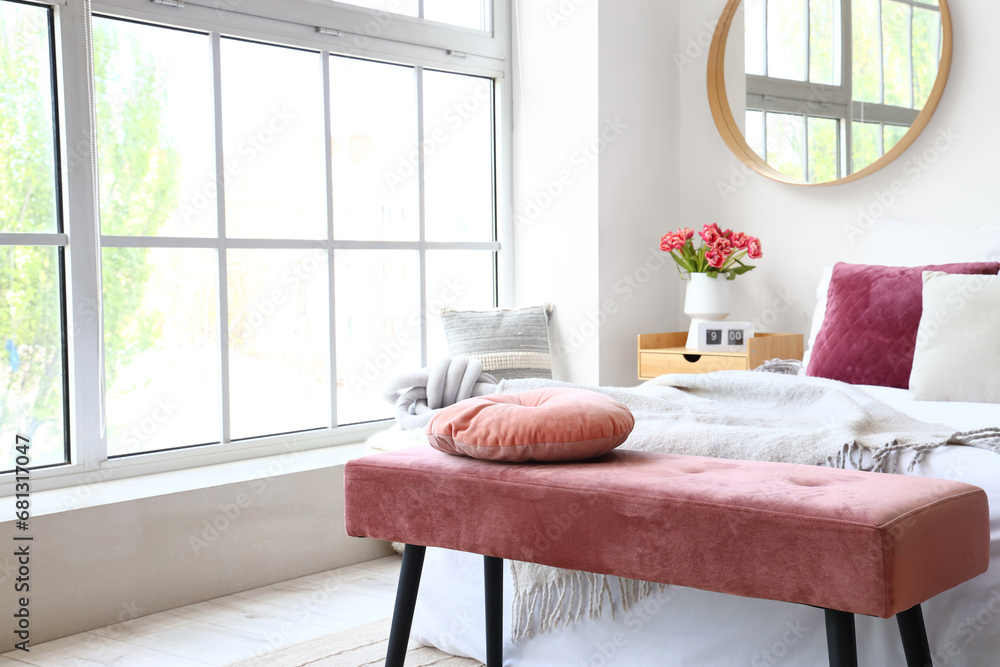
[715, 258]
[710, 234]
[720, 249]
[671, 241]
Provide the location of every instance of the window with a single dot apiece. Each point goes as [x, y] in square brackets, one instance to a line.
[281, 222]
[33, 362]
[810, 121]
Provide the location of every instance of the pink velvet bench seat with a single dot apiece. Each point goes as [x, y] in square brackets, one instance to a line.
[847, 541]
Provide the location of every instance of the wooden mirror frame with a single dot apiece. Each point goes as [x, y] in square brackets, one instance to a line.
[733, 135]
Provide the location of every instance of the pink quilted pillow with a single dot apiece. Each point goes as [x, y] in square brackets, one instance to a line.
[870, 327]
[552, 424]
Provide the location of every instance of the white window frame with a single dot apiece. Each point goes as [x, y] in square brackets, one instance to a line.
[363, 33]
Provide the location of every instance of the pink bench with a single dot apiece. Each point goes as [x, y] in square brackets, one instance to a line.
[846, 541]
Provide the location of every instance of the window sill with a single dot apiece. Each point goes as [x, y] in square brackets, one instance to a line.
[112, 491]
[81, 476]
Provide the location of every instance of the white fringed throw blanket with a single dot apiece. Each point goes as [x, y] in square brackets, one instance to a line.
[735, 415]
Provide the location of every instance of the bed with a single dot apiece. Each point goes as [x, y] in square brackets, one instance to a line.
[680, 626]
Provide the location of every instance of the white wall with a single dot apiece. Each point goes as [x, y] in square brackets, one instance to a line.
[596, 176]
[639, 178]
[555, 181]
[947, 176]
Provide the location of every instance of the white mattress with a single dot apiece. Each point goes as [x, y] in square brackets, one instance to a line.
[683, 626]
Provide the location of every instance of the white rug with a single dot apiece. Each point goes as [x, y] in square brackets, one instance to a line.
[363, 646]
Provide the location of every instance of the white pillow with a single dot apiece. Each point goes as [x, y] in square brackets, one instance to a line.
[819, 313]
[957, 357]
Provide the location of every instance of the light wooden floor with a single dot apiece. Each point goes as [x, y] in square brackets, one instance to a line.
[225, 630]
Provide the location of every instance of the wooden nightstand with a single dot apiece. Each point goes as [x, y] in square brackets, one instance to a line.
[664, 353]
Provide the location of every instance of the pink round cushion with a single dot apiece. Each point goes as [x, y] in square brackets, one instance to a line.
[552, 424]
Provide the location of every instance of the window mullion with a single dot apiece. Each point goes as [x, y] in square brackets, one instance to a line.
[767, 59]
[504, 201]
[805, 147]
[331, 269]
[34, 239]
[88, 439]
[808, 41]
[913, 91]
[496, 115]
[220, 181]
[881, 51]
[422, 216]
[847, 84]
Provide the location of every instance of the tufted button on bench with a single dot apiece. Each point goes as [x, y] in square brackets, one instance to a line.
[846, 541]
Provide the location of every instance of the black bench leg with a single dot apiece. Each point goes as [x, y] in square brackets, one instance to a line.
[914, 635]
[841, 641]
[493, 576]
[406, 598]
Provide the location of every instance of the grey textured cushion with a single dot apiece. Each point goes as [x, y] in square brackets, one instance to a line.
[511, 343]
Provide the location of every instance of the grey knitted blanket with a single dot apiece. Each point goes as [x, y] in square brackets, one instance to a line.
[418, 395]
[736, 415]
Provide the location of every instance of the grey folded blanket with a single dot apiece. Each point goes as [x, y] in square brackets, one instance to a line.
[736, 415]
[418, 395]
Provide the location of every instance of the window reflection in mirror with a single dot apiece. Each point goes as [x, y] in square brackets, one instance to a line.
[832, 85]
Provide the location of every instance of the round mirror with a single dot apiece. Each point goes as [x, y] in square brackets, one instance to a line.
[815, 92]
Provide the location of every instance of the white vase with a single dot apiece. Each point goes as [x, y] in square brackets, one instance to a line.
[707, 300]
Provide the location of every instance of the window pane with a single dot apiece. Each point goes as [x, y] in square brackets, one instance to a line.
[455, 279]
[926, 53]
[823, 153]
[754, 46]
[273, 129]
[465, 13]
[375, 151]
[378, 328]
[867, 46]
[404, 7]
[458, 143]
[787, 32]
[896, 54]
[867, 140]
[279, 341]
[161, 311]
[823, 38]
[27, 190]
[755, 131]
[786, 144]
[891, 134]
[31, 360]
[155, 124]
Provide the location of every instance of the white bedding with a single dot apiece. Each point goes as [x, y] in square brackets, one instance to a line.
[683, 626]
